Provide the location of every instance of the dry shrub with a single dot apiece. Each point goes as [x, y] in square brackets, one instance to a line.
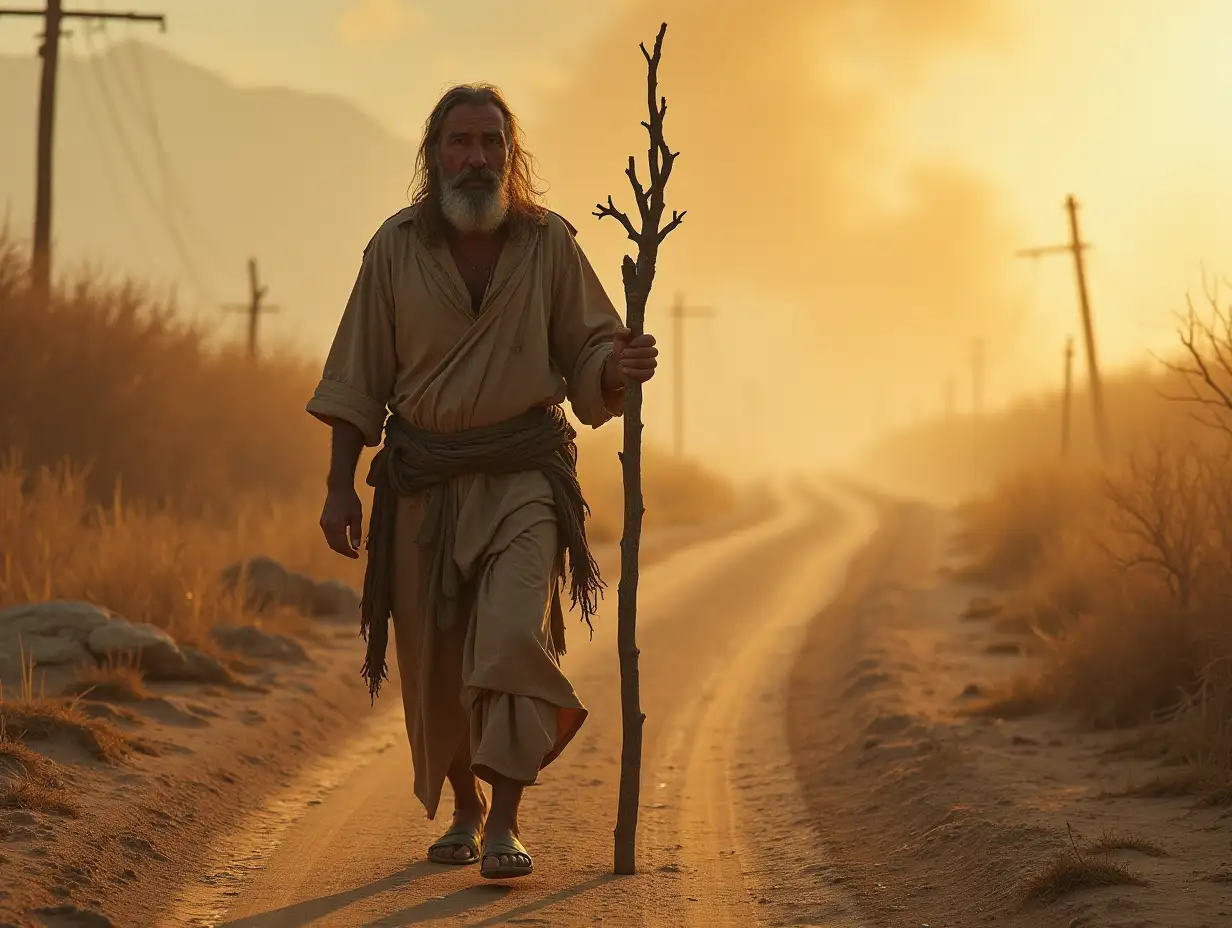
[1009, 532]
[108, 376]
[1130, 593]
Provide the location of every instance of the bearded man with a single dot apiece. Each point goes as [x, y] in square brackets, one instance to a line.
[475, 315]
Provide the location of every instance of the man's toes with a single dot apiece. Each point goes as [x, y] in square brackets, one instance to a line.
[462, 852]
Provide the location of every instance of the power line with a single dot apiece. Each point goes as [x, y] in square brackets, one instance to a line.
[160, 212]
[95, 125]
[53, 15]
[142, 102]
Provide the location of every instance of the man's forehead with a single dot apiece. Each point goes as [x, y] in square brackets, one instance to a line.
[474, 117]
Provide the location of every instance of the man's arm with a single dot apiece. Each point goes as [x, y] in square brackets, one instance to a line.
[354, 392]
[584, 324]
[342, 518]
[345, 447]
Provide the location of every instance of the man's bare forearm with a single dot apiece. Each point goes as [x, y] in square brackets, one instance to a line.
[345, 447]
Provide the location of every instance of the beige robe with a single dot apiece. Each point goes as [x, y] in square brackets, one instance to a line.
[409, 341]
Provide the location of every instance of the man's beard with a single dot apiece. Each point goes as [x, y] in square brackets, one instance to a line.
[473, 209]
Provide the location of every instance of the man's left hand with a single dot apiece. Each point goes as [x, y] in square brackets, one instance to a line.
[633, 358]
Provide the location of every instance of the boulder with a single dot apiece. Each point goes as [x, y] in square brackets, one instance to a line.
[46, 651]
[152, 649]
[57, 618]
[268, 584]
[252, 642]
[336, 599]
[51, 635]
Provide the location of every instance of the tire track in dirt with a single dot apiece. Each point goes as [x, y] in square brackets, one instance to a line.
[713, 618]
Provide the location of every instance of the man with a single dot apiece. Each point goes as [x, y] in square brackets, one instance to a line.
[474, 316]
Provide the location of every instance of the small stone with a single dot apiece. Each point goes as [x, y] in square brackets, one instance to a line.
[252, 642]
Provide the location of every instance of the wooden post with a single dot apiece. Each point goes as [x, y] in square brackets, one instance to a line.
[1067, 397]
[1077, 248]
[53, 16]
[680, 313]
[638, 276]
[254, 307]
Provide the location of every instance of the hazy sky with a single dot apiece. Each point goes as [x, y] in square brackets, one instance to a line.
[818, 160]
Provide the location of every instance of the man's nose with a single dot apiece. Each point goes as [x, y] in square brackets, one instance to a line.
[475, 156]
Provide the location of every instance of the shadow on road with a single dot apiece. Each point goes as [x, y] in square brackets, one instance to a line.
[309, 911]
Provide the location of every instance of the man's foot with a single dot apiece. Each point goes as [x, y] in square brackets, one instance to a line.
[461, 843]
[504, 858]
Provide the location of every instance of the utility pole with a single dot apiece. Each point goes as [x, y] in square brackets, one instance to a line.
[1066, 396]
[254, 307]
[977, 378]
[680, 313]
[53, 15]
[1077, 248]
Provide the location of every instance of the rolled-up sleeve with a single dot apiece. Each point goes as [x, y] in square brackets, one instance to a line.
[583, 324]
[362, 362]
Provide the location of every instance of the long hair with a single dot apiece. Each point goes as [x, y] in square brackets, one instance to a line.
[525, 195]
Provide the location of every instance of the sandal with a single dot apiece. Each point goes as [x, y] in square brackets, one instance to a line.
[507, 846]
[467, 836]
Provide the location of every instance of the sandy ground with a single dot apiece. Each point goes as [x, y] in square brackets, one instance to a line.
[934, 818]
[724, 837]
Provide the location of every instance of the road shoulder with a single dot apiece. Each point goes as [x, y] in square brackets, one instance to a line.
[934, 817]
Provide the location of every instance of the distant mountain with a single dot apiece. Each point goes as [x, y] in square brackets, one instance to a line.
[298, 180]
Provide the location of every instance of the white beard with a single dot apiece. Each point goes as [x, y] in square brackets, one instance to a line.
[473, 210]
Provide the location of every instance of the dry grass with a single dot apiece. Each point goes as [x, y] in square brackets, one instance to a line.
[138, 460]
[1110, 842]
[30, 781]
[115, 681]
[34, 716]
[1073, 870]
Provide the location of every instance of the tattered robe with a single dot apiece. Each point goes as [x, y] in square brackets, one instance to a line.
[410, 342]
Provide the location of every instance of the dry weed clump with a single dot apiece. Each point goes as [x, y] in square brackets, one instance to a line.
[1073, 869]
[115, 681]
[34, 716]
[32, 782]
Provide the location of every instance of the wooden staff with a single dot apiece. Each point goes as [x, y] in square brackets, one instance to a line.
[638, 277]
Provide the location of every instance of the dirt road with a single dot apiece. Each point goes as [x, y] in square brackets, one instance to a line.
[724, 836]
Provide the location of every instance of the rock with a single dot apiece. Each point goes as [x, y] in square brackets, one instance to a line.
[47, 651]
[335, 598]
[51, 634]
[251, 641]
[267, 583]
[155, 652]
[200, 667]
[57, 618]
[71, 916]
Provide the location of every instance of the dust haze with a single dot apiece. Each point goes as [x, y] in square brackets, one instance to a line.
[835, 290]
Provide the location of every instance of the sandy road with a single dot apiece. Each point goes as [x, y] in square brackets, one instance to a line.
[723, 838]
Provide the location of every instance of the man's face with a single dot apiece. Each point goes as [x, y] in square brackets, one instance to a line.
[472, 167]
[473, 138]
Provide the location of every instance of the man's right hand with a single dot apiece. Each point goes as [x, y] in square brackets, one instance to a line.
[342, 521]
